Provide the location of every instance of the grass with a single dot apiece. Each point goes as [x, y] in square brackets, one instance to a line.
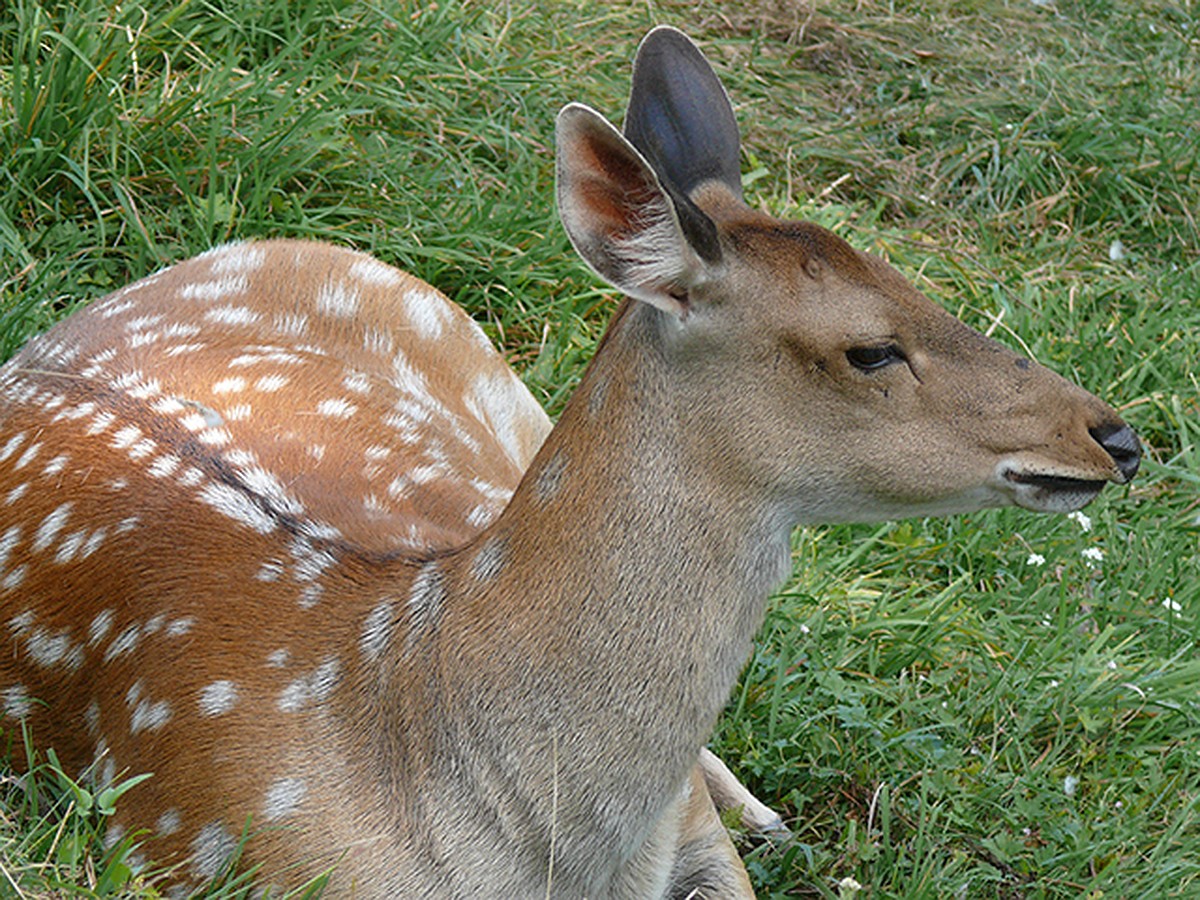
[996, 705]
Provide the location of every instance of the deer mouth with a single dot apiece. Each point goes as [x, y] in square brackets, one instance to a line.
[1052, 493]
[1054, 482]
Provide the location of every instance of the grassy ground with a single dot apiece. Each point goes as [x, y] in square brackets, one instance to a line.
[997, 705]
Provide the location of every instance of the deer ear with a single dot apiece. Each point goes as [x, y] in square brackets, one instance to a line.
[619, 216]
[680, 119]
[679, 116]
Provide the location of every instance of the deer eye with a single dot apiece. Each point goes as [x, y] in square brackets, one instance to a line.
[871, 358]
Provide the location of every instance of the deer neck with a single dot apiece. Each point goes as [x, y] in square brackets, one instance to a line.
[600, 623]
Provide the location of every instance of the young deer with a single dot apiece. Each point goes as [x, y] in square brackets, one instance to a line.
[280, 527]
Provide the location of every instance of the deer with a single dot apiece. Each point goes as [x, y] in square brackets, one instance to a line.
[281, 527]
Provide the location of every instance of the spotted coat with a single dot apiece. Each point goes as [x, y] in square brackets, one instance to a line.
[280, 417]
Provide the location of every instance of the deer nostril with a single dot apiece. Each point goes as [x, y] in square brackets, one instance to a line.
[1122, 445]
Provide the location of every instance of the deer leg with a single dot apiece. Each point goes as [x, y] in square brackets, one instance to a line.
[706, 865]
[729, 793]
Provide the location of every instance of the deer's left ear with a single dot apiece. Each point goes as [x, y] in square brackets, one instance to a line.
[619, 216]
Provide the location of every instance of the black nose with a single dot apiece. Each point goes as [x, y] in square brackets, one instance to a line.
[1122, 445]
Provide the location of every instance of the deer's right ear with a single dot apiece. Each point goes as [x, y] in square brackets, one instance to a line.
[618, 215]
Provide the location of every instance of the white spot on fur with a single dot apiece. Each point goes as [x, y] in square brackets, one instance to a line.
[284, 797]
[107, 311]
[11, 446]
[93, 542]
[310, 596]
[235, 259]
[214, 437]
[292, 325]
[50, 527]
[137, 385]
[312, 688]
[265, 484]
[30, 452]
[191, 476]
[356, 382]
[337, 408]
[377, 630]
[211, 850]
[167, 406]
[123, 643]
[277, 659]
[179, 627]
[56, 465]
[229, 386]
[16, 702]
[232, 315]
[183, 349]
[218, 698]
[258, 354]
[269, 571]
[425, 600]
[46, 649]
[91, 717]
[218, 289]
[22, 622]
[142, 449]
[113, 835]
[238, 506]
[164, 466]
[168, 823]
[380, 343]
[100, 627]
[182, 329]
[100, 423]
[489, 561]
[311, 563]
[270, 383]
[149, 715]
[337, 299]
[126, 436]
[16, 494]
[70, 546]
[14, 578]
[373, 272]
[427, 312]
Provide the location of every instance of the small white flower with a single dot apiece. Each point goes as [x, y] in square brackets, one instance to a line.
[1093, 556]
[848, 887]
[804, 629]
[1084, 521]
[1116, 251]
[1070, 783]
[1035, 559]
[1172, 607]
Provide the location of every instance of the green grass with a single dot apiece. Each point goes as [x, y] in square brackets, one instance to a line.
[936, 715]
